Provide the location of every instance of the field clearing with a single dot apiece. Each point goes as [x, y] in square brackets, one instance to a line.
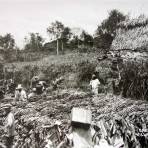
[41, 114]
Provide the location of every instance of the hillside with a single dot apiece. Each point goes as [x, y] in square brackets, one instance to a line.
[71, 58]
[73, 67]
[40, 114]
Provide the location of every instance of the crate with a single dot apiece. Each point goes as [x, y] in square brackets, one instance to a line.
[80, 115]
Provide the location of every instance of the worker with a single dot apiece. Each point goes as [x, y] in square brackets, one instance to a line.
[34, 81]
[11, 87]
[44, 87]
[9, 126]
[32, 94]
[39, 89]
[20, 94]
[43, 84]
[94, 83]
[57, 82]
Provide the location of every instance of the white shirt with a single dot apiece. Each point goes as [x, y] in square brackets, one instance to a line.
[21, 96]
[10, 124]
[95, 83]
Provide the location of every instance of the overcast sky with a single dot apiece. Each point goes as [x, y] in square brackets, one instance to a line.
[20, 17]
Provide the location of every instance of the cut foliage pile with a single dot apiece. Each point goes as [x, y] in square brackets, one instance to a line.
[35, 121]
[132, 34]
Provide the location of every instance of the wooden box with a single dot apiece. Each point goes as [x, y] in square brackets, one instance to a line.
[80, 115]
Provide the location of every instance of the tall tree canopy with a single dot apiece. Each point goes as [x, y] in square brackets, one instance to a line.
[66, 34]
[107, 30]
[59, 32]
[7, 41]
[34, 42]
[55, 30]
[86, 39]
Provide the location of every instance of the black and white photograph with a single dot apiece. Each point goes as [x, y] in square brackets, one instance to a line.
[73, 73]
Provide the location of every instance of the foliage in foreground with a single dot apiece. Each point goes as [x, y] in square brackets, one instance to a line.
[36, 119]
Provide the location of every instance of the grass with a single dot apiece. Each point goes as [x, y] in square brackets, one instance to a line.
[81, 65]
[68, 59]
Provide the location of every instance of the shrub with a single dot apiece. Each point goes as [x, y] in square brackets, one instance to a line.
[134, 80]
[85, 71]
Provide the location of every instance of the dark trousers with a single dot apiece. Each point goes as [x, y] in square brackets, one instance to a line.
[9, 141]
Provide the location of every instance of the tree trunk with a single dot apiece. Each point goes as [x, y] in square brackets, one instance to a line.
[62, 47]
[57, 47]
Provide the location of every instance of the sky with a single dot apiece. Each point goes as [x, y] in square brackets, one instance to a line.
[20, 17]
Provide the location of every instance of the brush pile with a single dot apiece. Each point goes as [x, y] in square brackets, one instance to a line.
[132, 34]
[133, 23]
[36, 121]
[129, 40]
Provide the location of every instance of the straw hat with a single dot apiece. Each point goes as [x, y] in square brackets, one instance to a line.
[58, 122]
[19, 87]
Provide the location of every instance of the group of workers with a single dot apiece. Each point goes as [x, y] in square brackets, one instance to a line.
[37, 87]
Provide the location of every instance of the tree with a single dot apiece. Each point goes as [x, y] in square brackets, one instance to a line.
[106, 32]
[56, 30]
[7, 41]
[74, 43]
[65, 36]
[34, 42]
[87, 39]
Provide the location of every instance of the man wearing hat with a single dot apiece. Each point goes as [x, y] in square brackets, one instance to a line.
[94, 83]
[20, 94]
[39, 88]
[9, 125]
